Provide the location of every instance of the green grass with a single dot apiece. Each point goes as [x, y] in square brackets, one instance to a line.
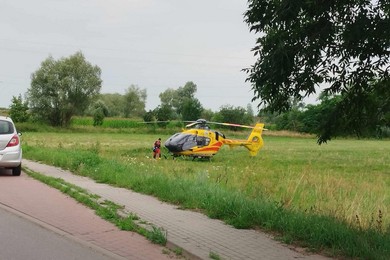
[214, 256]
[333, 197]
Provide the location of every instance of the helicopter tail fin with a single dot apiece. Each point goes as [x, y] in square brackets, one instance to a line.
[254, 142]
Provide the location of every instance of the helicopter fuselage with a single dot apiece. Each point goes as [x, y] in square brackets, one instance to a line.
[201, 142]
[195, 142]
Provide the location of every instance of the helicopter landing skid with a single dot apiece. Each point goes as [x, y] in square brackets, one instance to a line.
[206, 158]
[200, 157]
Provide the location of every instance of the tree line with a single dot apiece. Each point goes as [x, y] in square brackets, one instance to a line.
[313, 119]
[71, 86]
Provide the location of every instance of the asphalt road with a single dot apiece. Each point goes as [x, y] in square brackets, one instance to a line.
[23, 239]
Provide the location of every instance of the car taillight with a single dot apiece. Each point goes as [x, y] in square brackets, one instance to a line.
[14, 141]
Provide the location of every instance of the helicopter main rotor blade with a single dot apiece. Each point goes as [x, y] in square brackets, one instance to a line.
[192, 124]
[230, 124]
[204, 122]
[153, 122]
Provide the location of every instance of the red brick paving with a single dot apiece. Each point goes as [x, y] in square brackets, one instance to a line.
[54, 208]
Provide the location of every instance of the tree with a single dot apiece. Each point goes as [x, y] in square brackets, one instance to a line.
[191, 109]
[134, 100]
[231, 114]
[19, 110]
[177, 99]
[342, 46]
[367, 116]
[324, 115]
[249, 110]
[100, 111]
[61, 88]
[149, 116]
[163, 112]
[114, 102]
[169, 97]
[207, 114]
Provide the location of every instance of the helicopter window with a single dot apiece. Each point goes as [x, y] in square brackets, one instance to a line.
[188, 142]
[175, 135]
[199, 140]
[180, 138]
[218, 134]
[202, 141]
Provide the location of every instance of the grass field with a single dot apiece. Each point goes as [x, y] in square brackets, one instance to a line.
[347, 181]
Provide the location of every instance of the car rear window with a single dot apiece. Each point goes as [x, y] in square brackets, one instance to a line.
[6, 127]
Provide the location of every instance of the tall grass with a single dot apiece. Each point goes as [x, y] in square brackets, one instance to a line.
[333, 197]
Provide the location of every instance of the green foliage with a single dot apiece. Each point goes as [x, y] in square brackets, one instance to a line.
[231, 114]
[207, 114]
[149, 116]
[326, 120]
[131, 104]
[81, 121]
[214, 256]
[62, 88]
[100, 105]
[157, 236]
[115, 104]
[291, 120]
[178, 251]
[164, 112]
[181, 102]
[135, 99]
[100, 111]
[121, 123]
[34, 127]
[98, 117]
[249, 110]
[360, 114]
[304, 44]
[18, 110]
[191, 109]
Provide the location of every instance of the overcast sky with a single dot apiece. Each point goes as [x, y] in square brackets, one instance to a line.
[154, 44]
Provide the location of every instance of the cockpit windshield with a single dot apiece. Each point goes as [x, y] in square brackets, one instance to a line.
[181, 142]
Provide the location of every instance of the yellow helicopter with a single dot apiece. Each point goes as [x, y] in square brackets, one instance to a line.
[199, 141]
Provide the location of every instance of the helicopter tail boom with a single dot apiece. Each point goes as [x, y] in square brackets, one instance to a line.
[254, 142]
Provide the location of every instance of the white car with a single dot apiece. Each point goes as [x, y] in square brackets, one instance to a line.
[10, 146]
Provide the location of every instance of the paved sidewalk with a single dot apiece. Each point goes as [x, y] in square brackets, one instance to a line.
[195, 233]
[53, 210]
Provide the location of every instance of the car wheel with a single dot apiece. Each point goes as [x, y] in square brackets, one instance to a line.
[17, 170]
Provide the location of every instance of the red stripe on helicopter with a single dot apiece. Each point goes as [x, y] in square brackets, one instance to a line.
[214, 147]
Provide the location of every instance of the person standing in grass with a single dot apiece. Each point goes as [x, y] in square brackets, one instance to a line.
[156, 149]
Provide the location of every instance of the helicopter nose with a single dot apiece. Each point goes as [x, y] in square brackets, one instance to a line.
[173, 146]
